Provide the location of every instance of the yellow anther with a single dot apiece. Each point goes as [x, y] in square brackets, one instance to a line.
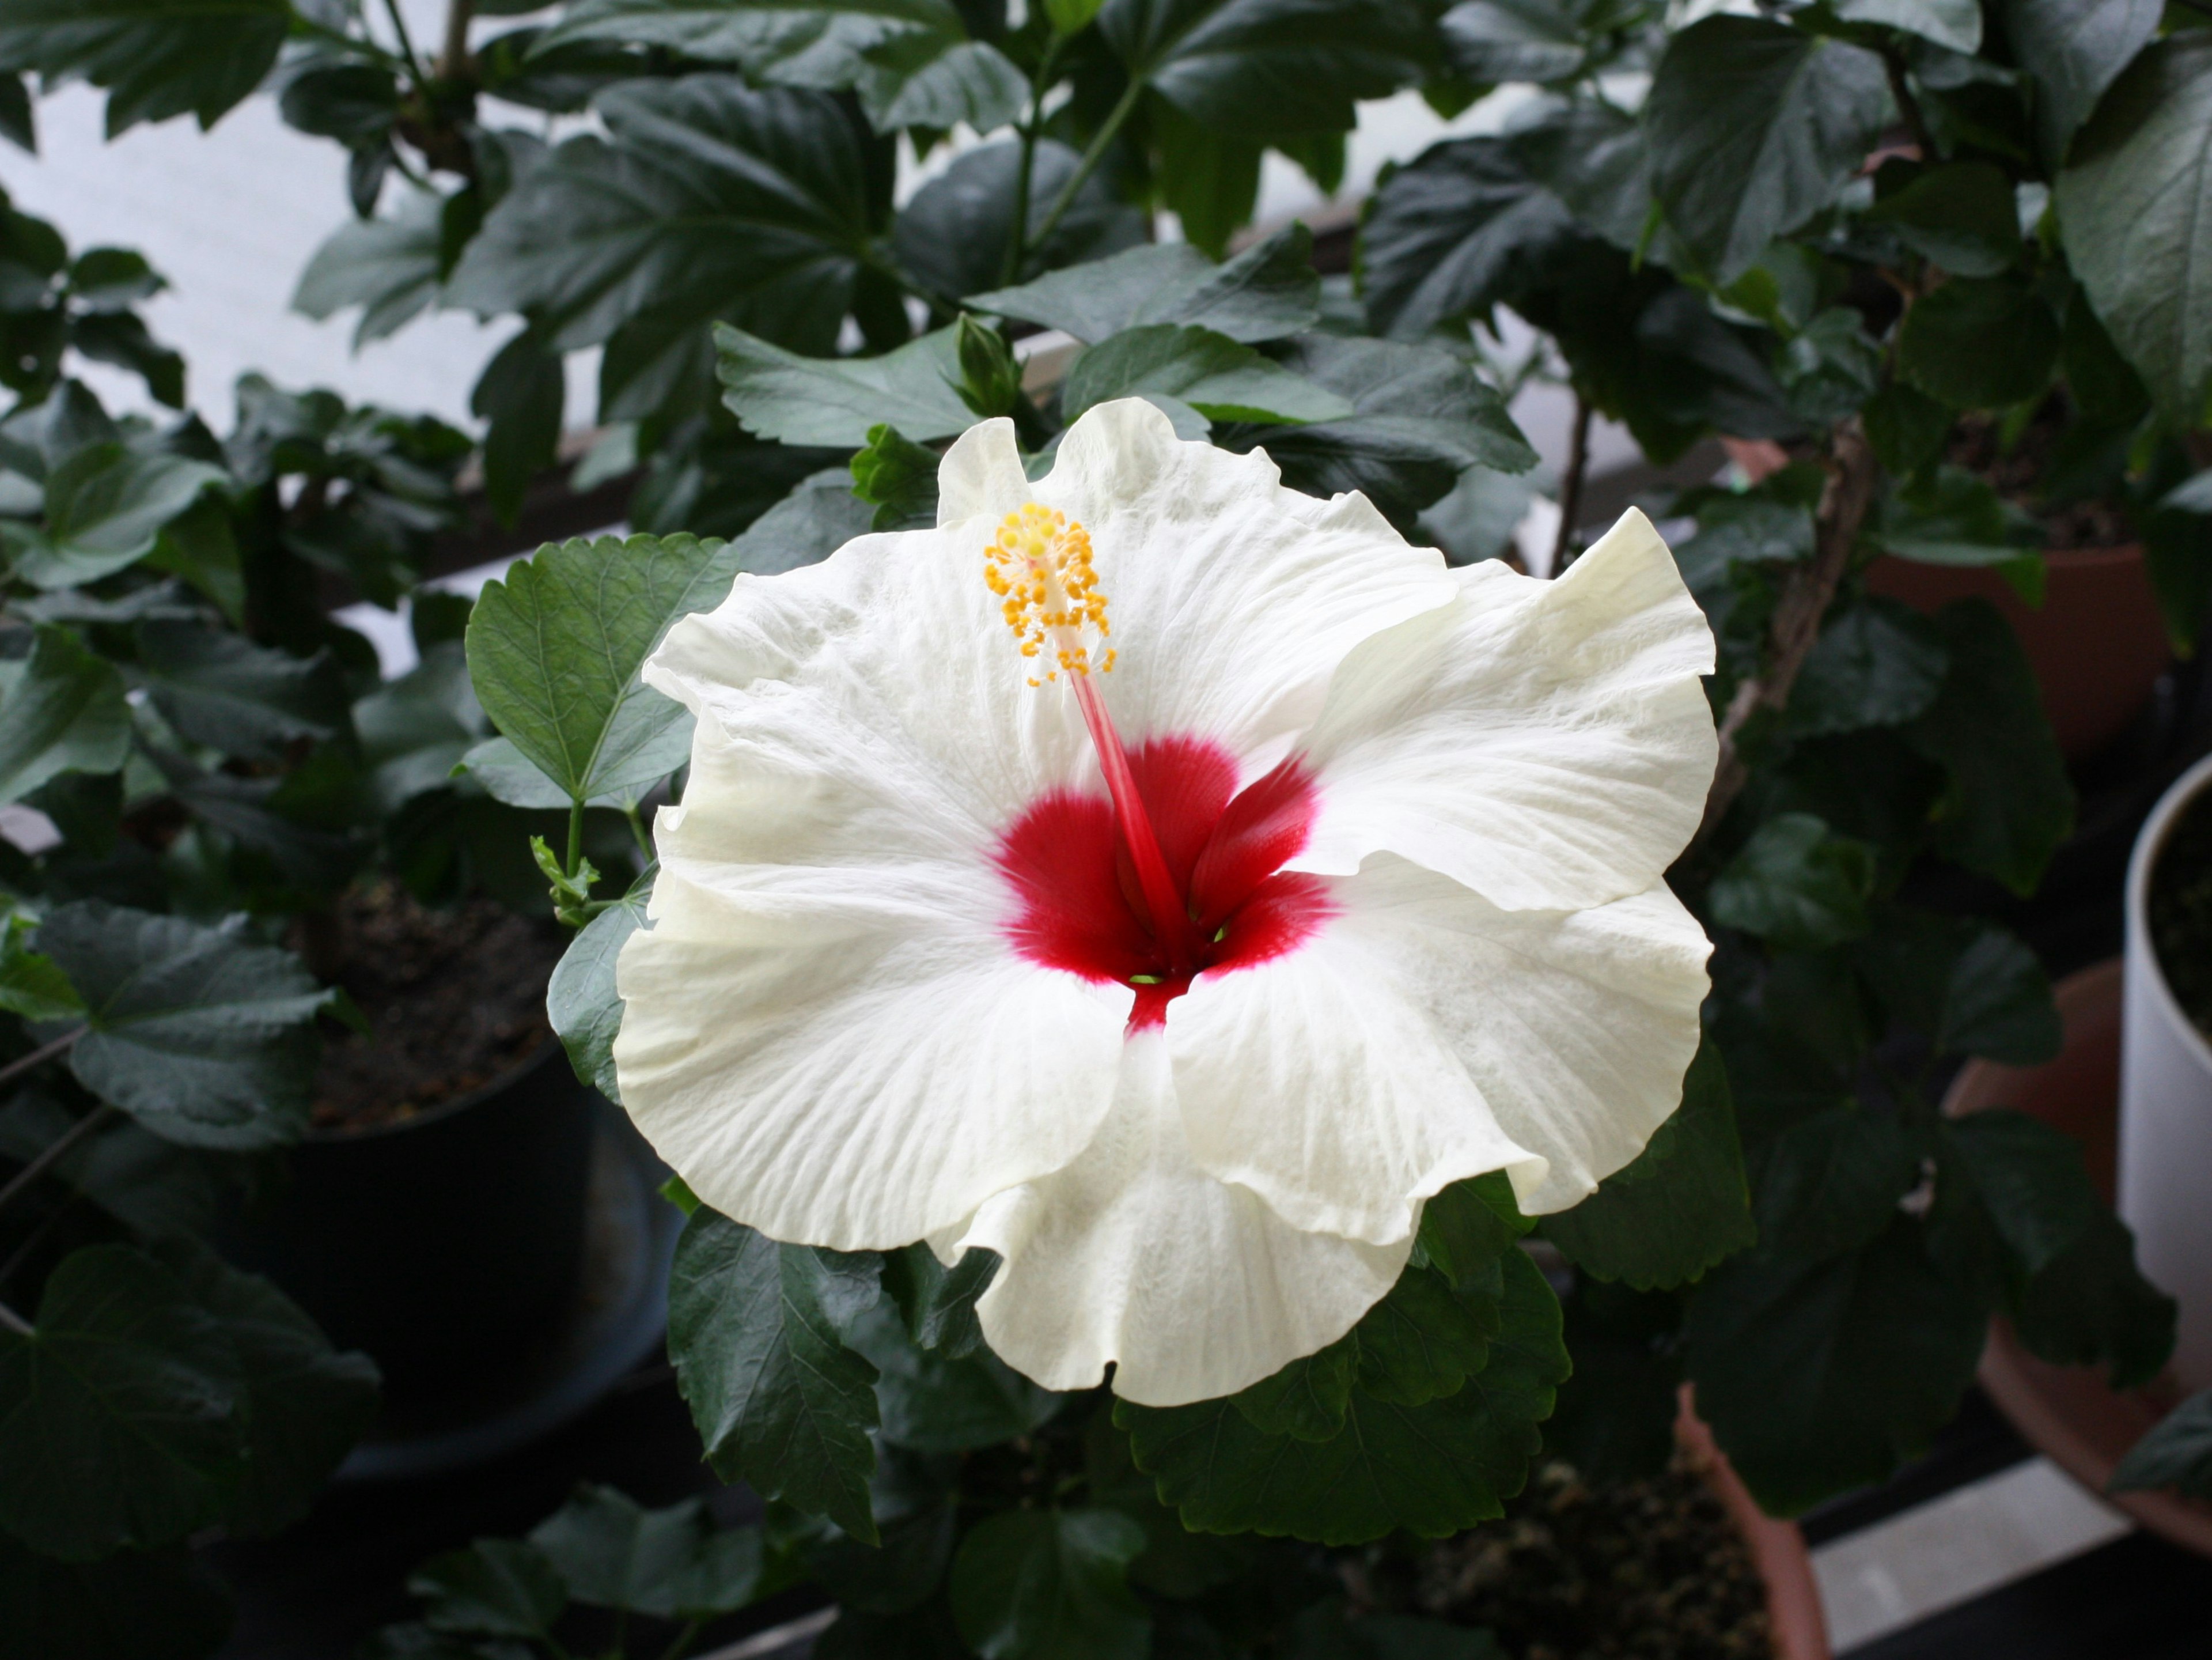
[1039, 565]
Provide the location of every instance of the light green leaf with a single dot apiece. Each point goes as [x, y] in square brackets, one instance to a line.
[1051, 1585]
[581, 999]
[64, 712]
[1216, 376]
[554, 649]
[105, 506]
[2134, 204]
[155, 59]
[31, 984]
[392, 267]
[755, 1329]
[203, 1038]
[1265, 293]
[1679, 1206]
[1797, 883]
[1753, 127]
[837, 400]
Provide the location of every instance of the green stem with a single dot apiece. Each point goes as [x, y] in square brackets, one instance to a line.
[683, 1641]
[407, 47]
[575, 837]
[1010, 267]
[45, 1052]
[96, 1119]
[637, 830]
[1092, 156]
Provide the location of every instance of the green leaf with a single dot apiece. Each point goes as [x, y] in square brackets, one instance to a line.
[1491, 40]
[2134, 204]
[1207, 178]
[1679, 1206]
[1829, 1183]
[939, 1303]
[520, 394]
[934, 1402]
[1979, 342]
[1051, 1585]
[953, 236]
[1220, 378]
[1266, 69]
[1420, 420]
[392, 267]
[2072, 50]
[1753, 127]
[705, 200]
[1454, 232]
[1963, 217]
[218, 688]
[1954, 24]
[755, 1330]
[900, 476]
[64, 713]
[1818, 1377]
[990, 378]
[1307, 1399]
[2176, 1453]
[1424, 1338]
[105, 506]
[1907, 427]
[124, 1373]
[154, 58]
[554, 649]
[413, 1642]
[910, 60]
[1325, 1631]
[301, 1404]
[838, 401]
[1953, 517]
[581, 999]
[203, 1038]
[612, 1554]
[1432, 1469]
[492, 1588]
[1469, 1225]
[16, 122]
[1265, 293]
[2010, 803]
[1967, 985]
[134, 1605]
[1879, 664]
[31, 984]
[1797, 884]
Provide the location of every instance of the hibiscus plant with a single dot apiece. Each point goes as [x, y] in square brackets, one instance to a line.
[1305, 1021]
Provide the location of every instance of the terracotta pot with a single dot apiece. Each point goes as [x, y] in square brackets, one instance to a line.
[2067, 1413]
[2096, 643]
[1793, 1595]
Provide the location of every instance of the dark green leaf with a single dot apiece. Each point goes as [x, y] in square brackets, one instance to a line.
[1830, 1183]
[64, 713]
[1954, 24]
[1326, 1631]
[1432, 1469]
[413, 1642]
[301, 1404]
[1796, 882]
[1952, 517]
[1880, 664]
[392, 268]
[124, 1374]
[204, 1039]
[2072, 50]
[1265, 293]
[492, 1588]
[838, 401]
[16, 122]
[900, 476]
[1307, 1398]
[520, 394]
[612, 1554]
[1817, 1376]
[1213, 374]
[755, 1329]
[1679, 1206]
[954, 234]
[1469, 1225]
[1967, 986]
[1753, 127]
[1615, 1420]
[1907, 427]
[2134, 204]
[581, 999]
[939, 1303]
[134, 1605]
[105, 506]
[1513, 40]
[1962, 216]
[354, 102]
[2010, 803]
[1051, 1585]
[1424, 1338]
[220, 688]
[554, 649]
[2176, 1453]
[1979, 342]
[155, 59]
[933, 1403]
[1209, 179]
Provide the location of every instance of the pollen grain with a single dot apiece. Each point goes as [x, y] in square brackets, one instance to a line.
[1039, 565]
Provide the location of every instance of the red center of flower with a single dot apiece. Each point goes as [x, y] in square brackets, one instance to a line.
[1090, 887]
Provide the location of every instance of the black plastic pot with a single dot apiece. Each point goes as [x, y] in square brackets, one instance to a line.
[449, 1247]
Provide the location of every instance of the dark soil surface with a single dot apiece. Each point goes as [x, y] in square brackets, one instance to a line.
[2180, 907]
[2018, 473]
[1647, 1569]
[454, 996]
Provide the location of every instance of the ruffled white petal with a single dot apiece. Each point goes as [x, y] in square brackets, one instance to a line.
[1133, 1255]
[1545, 744]
[1426, 1035]
[853, 1059]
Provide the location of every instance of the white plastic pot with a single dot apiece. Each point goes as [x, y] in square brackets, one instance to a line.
[2166, 1110]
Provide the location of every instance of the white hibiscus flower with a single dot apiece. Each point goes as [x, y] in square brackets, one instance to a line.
[1179, 976]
